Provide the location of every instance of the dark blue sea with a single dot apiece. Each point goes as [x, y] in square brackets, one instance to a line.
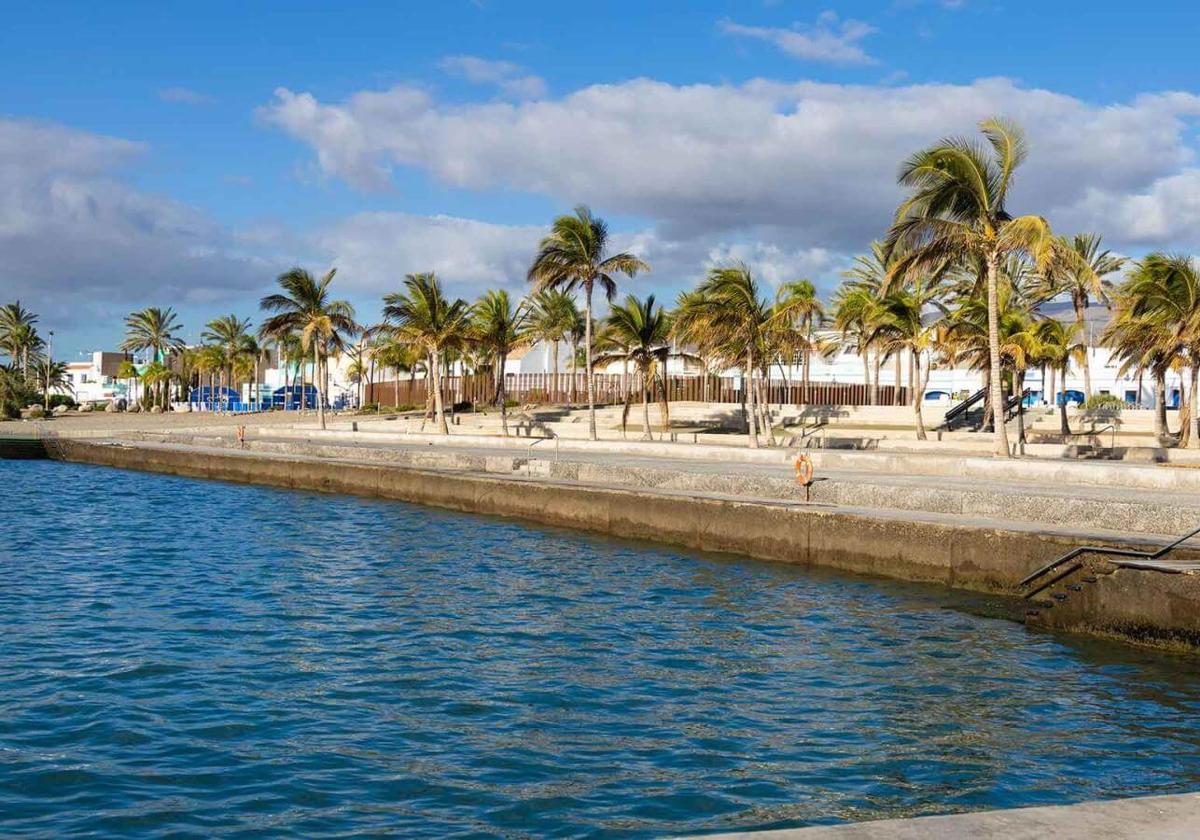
[200, 659]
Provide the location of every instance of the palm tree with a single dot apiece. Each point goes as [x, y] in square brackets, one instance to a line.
[229, 333]
[856, 316]
[725, 318]
[500, 328]
[957, 211]
[552, 315]
[155, 375]
[869, 274]
[573, 256]
[966, 336]
[209, 361]
[899, 324]
[1078, 268]
[128, 371]
[1142, 344]
[156, 330]
[642, 332]
[18, 334]
[52, 375]
[799, 313]
[1058, 345]
[402, 356]
[423, 315]
[1164, 289]
[305, 308]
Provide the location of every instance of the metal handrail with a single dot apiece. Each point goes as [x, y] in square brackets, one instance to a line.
[550, 436]
[962, 408]
[1099, 549]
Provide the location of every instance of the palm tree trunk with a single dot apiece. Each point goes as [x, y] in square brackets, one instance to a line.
[866, 363]
[914, 369]
[1160, 406]
[1185, 414]
[557, 388]
[1193, 414]
[574, 371]
[438, 407]
[896, 381]
[1087, 365]
[748, 396]
[1064, 427]
[317, 382]
[806, 374]
[645, 407]
[1050, 395]
[1019, 389]
[1000, 438]
[764, 406]
[875, 379]
[587, 338]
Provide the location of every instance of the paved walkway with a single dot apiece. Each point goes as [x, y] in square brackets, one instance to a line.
[1146, 818]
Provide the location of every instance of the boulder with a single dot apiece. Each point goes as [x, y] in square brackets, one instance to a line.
[60, 410]
[85, 408]
[34, 412]
[135, 408]
[111, 408]
[156, 409]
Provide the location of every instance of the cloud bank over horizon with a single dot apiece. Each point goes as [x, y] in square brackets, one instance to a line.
[791, 177]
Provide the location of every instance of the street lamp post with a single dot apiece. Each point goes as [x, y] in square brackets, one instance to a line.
[49, 363]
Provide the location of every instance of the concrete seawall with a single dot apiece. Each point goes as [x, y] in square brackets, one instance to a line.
[905, 545]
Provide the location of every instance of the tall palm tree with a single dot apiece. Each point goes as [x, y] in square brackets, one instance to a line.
[573, 256]
[231, 334]
[726, 318]
[957, 211]
[423, 315]
[642, 333]
[156, 330]
[1078, 267]
[500, 328]
[306, 308]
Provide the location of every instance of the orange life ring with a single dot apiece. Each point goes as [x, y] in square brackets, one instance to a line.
[804, 470]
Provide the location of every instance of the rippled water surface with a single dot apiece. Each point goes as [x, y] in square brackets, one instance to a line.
[204, 658]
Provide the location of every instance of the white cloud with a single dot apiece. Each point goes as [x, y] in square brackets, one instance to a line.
[78, 242]
[829, 40]
[373, 251]
[510, 78]
[805, 164]
[185, 96]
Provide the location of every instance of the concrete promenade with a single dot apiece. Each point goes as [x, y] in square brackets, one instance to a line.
[1174, 817]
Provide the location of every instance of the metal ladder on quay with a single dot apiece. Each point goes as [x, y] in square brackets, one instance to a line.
[1068, 564]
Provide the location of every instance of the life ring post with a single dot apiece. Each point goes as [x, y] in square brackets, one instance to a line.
[804, 474]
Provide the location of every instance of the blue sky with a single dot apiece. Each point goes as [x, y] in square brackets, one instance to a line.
[179, 154]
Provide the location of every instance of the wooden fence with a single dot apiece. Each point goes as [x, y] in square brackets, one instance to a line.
[545, 388]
